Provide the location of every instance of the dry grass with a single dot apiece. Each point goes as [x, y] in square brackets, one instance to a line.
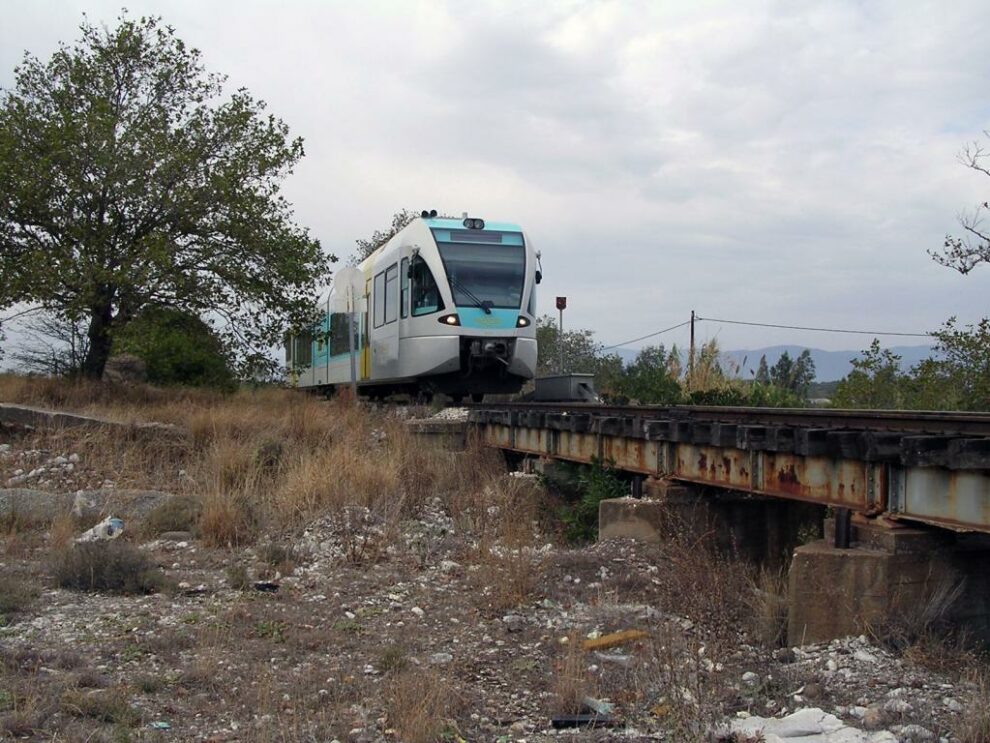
[106, 566]
[15, 596]
[267, 460]
[974, 723]
[571, 680]
[421, 706]
[767, 604]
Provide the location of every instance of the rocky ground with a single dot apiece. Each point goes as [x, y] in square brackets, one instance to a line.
[358, 628]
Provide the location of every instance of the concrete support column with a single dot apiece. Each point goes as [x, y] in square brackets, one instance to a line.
[891, 576]
[736, 524]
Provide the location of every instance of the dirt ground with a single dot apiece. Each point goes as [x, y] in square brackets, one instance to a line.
[361, 625]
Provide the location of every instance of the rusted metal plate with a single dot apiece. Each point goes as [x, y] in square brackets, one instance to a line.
[953, 498]
[958, 499]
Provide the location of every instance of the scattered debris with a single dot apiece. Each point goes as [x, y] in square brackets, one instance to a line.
[110, 528]
[614, 639]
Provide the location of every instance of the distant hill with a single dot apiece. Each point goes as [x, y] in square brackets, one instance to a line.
[829, 365]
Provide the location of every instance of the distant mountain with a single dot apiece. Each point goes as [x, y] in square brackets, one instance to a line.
[829, 365]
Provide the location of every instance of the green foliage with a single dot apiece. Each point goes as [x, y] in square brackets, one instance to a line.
[582, 353]
[795, 375]
[957, 377]
[964, 362]
[178, 348]
[128, 180]
[771, 396]
[763, 372]
[379, 237]
[651, 379]
[876, 381]
[595, 482]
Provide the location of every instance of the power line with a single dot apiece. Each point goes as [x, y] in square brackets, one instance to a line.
[648, 335]
[821, 330]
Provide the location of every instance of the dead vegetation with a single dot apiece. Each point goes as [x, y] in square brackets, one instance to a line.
[115, 566]
[333, 652]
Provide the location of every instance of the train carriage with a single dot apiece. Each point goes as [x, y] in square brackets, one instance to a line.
[449, 305]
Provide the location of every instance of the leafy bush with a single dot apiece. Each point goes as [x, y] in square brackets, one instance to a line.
[178, 348]
[595, 482]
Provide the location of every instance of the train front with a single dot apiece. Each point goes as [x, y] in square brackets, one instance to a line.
[491, 273]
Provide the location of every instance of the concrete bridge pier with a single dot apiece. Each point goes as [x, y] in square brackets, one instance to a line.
[893, 579]
[736, 524]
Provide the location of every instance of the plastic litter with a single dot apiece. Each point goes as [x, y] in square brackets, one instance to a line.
[160, 725]
[109, 528]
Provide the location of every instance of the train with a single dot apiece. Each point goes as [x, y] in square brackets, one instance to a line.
[445, 306]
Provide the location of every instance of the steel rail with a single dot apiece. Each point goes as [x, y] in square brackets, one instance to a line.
[927, 422]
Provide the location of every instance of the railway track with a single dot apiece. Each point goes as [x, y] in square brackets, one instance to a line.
[933, 423]
[926, 466]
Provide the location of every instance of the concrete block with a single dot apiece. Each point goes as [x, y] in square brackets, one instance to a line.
[837, 592]
[631, 518]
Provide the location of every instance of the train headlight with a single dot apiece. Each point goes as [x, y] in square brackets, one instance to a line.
[474, 224]
[449, 320]
[522, 322]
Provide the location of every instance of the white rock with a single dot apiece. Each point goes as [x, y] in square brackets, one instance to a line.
[952, 705]
[897, 706]
[865, 657]
[418, 612]
[750, 679]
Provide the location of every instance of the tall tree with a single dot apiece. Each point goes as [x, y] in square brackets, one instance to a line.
[782, 372]
[763, 371]
[128, 179]
[803, 374]
[966, 252]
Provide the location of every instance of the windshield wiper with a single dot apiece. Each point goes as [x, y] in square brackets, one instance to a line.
[484, 304]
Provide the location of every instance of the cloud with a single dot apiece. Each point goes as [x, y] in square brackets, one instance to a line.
[777, 161]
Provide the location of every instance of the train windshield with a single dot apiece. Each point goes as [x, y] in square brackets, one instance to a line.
[485, 274]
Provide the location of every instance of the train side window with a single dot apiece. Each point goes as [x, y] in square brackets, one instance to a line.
[391, 293]
[404, 287]
[304, 349]
[338, 333]
[379, 299]
[425, 293]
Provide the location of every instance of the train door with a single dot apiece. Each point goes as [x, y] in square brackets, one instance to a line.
[364, 333]
[385, 323]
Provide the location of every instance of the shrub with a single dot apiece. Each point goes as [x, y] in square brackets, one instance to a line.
[106, 566]
[15, 596]
[179, 513]
[596, 482]
[110, 705]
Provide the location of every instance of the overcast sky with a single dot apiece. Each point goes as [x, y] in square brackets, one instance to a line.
[785, 162]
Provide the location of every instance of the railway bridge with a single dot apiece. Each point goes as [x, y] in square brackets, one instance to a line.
[900, 500]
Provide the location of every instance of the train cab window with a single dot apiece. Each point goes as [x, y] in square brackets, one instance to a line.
[404, 288]
[425, 293]
[392, 293]
[379, 299]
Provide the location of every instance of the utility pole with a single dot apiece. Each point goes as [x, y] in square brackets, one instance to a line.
[690, 374]
[561, 305]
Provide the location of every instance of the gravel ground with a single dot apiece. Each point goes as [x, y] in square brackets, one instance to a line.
[355, 629]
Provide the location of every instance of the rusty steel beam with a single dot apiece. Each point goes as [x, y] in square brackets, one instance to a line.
[833, 469]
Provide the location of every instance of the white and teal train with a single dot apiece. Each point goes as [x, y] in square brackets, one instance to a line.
[449, 306]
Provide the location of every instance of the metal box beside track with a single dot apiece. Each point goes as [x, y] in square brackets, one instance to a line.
[566, 387]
